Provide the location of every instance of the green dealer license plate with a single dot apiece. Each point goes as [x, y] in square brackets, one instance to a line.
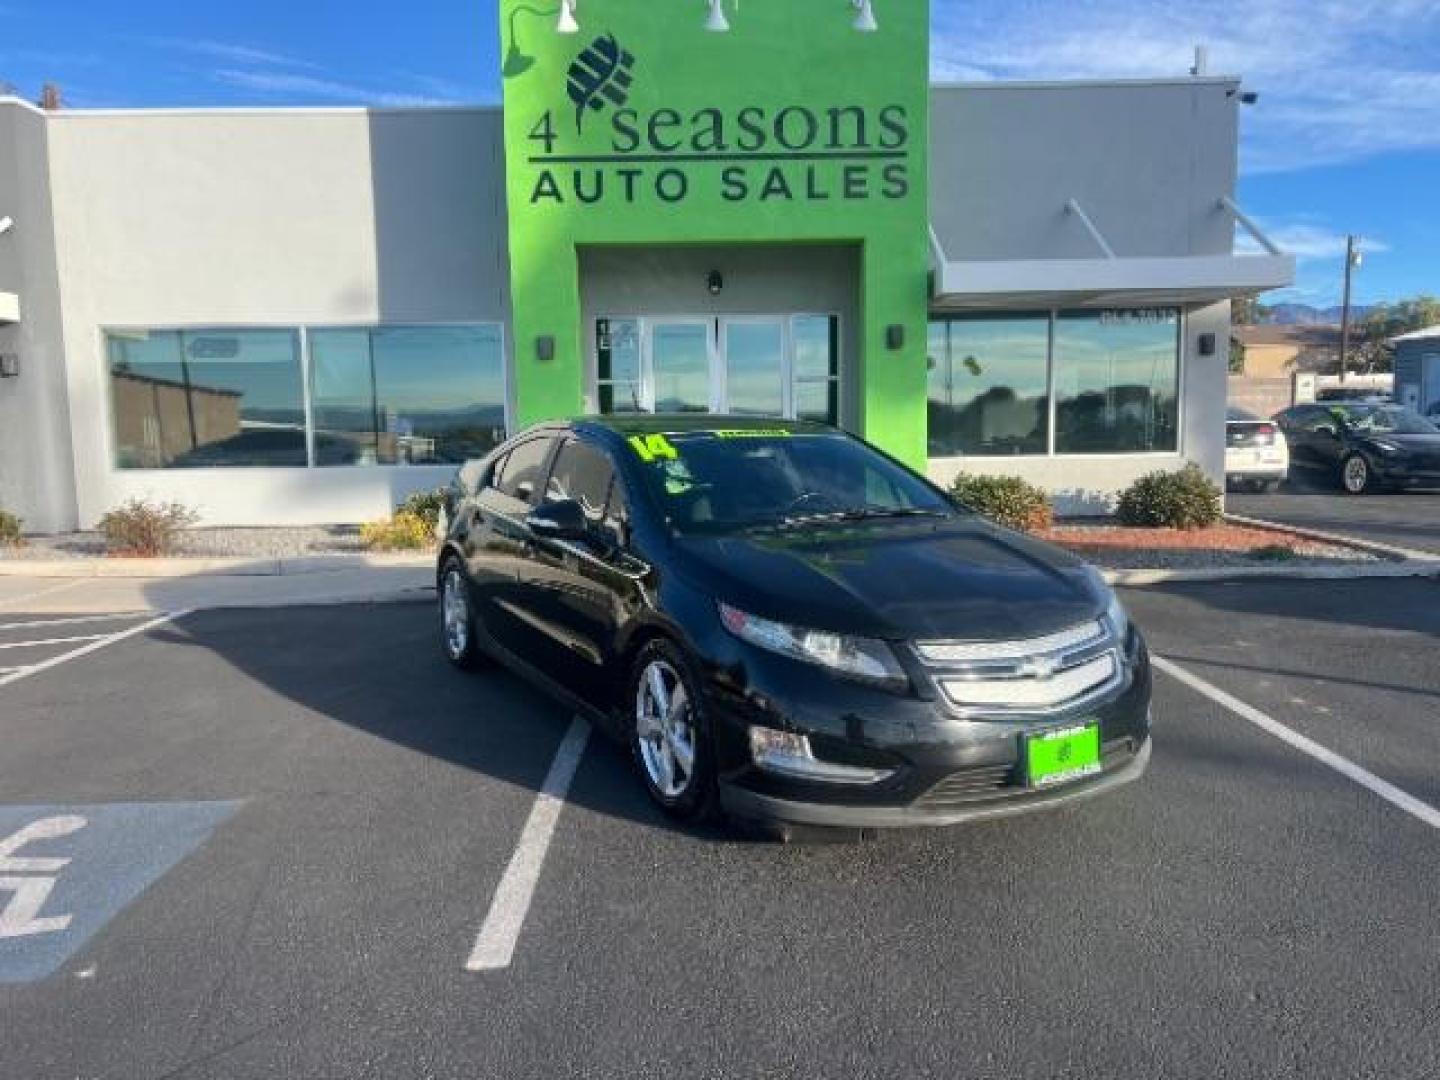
[1062, 754]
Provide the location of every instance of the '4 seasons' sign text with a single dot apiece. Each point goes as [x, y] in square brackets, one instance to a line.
[755, 153]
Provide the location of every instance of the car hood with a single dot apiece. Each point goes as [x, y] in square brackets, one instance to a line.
[958, 578]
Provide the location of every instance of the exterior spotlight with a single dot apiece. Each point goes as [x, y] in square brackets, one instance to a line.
[567, 23]
[715, 282]
[6, 224]
[864, 17]
[716, 22]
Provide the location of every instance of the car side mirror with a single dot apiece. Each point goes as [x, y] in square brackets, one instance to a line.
[1327, 430]
[562, 519]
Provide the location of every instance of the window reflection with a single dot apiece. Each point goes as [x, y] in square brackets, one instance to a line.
[1117, 381]
[406, 395]
[987, 385]
[199, 398]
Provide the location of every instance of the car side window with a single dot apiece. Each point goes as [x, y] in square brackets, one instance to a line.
[585, 473]
[522, 472]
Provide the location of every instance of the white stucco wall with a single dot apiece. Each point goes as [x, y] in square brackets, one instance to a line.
[36, 470]
[269, 218]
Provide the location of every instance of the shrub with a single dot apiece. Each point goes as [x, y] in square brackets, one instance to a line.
[1176, 500]
[1008, 500]
[405, 531]
[144, 528]
[10, 535]
[425, 505]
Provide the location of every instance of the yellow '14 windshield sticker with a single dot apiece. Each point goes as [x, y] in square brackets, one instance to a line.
[653, 448]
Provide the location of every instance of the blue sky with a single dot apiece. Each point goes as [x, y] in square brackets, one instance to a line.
[1345, 138]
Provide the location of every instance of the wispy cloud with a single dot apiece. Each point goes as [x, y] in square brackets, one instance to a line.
[293, 85]
[1338, 79]
[231, 52]
[1307, 242]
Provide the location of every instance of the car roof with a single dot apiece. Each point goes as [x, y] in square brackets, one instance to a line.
[686, 423]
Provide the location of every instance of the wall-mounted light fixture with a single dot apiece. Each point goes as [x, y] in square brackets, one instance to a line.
[6, 224]
[895, 337]
[9, 366]
[864, 17]
[545, 348]
[716, 22]
[1206, 344]
[715, 282]
[567, 23]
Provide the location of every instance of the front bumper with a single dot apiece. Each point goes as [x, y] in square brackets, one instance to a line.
[753, 806]
[944, 767]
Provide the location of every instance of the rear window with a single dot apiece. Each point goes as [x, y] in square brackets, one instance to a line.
[1240, 415]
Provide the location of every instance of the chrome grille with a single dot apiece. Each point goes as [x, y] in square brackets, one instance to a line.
[1031, 675]
[1035, 691]
[965, 652]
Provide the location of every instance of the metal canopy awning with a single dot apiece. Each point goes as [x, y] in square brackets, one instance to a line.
[1108, 280]
[9, 307]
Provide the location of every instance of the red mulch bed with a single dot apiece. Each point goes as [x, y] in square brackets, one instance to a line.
[1213, 538]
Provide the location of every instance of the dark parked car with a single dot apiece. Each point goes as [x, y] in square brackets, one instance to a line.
[788, 625]
[1363, 445]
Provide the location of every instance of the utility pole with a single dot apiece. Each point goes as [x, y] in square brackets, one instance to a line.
[1352, 261]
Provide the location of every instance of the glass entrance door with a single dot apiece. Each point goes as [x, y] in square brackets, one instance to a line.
[761, 365]
[681, 362]
[753, 367]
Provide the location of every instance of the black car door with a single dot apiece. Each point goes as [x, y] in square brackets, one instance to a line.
[499, 547]
[1296, 425]
[583, 590]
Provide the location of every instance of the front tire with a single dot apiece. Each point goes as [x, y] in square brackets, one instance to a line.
[670, 733]
[457, 619]
[1356, 476]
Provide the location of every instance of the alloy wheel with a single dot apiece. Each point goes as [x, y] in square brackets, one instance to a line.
[455, 614]
[665, 729]
[1356, 475]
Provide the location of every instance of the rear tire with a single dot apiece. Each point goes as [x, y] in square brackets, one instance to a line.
[1356, 476]
[457, 619]
[669, 733]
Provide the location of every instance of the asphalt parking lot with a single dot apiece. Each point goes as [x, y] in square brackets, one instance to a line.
[263, 843]
[1405, 518]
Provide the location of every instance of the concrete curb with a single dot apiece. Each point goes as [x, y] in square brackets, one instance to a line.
[1372, 547]
[201, 567]
[1428, 567]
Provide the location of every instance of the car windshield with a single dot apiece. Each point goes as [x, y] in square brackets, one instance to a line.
[723, 481]
[1386, 420]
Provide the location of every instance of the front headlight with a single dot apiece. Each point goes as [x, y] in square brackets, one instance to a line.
[1115, 613]
[865, 659]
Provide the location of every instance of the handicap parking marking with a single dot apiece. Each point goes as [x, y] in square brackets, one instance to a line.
[66, 871]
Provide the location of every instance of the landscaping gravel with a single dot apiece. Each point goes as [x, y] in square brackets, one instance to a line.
[260, 543]
[1219, 547]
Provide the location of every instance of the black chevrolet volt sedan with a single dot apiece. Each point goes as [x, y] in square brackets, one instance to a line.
[789, 627]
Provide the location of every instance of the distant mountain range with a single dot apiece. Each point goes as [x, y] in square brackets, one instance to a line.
[1305, 315]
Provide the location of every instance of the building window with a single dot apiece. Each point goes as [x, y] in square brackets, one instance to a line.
[204, 398]
[1117, 378]
[815, 345]
[403, 395]
[617, 355]
[1114, 374]
[988, 385]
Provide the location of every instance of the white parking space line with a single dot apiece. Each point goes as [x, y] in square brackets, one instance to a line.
[74, 620]
[495, 945]
[86, 650]
[50, 641]
[24, 598]
[1343, 765]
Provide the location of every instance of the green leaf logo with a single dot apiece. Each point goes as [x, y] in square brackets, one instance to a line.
[599, 74]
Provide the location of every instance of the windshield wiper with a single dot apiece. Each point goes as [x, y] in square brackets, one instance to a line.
[863, 513]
